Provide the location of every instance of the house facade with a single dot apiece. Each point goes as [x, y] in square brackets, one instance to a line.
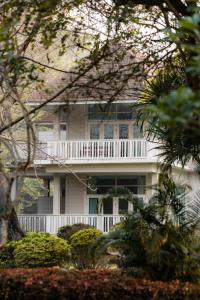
[84, 151]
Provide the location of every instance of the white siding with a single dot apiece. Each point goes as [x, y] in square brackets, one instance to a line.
[77, 122]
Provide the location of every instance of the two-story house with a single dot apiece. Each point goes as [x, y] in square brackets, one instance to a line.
[86, 147]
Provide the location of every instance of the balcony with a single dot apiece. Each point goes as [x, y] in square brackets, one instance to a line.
[51, 223]
[91, 151]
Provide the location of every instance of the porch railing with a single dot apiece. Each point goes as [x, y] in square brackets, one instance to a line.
[51, 223]
[98, 149]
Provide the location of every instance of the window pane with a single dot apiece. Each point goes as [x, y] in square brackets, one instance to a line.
[93, 205]
[124, 112]
[126, 181]
[123, 206]
[106, 180]
[137, 132]
[104, 189]
[108, 206]
[94, 132]
[108, 131]
[123, 131]
[102, 112]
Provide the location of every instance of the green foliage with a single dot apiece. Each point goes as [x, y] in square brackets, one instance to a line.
[35, 250]
[85, 237]
[158, 241]
[7, 255]
[81, 242]
[41, 249]
[171, 100]
[65, 232]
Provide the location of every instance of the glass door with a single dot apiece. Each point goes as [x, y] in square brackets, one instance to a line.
[108, 134]
[108, 206]
[123, 135]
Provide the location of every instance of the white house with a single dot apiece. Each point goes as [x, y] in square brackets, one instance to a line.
[87, 146]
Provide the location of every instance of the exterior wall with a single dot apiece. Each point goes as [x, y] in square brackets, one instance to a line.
[77, 119]
[75, 196]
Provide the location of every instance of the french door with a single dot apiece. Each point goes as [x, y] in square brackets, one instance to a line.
[109, 131]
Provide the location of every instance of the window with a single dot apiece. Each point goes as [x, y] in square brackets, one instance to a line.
[93, 206]
[123, 206]
[108, 131]
[123, 131]
[45, 132]
[104, 184]
[137, 132]
[63, 132]
[111, 111]
[94, 132]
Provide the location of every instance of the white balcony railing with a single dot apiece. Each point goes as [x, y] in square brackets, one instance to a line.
[51, 223]
[91, 150]
[99, 149]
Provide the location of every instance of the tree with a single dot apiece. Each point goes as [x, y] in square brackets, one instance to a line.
[127, 27]
[36, 27]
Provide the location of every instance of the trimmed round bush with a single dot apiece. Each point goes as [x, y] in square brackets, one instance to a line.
[65, 232]
[84, 237]
[81, 242]
[41, 250]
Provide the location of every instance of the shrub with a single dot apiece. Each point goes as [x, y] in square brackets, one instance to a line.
[7, 255]
[35, 250]
[41, 249]
[51, 283]
[81, 242]
[65, 232]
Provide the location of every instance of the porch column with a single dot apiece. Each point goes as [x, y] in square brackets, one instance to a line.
[115, 205]
[56, 194]
[66, 195]
[56, 127]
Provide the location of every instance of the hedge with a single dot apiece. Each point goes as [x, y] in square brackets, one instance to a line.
[54, 283]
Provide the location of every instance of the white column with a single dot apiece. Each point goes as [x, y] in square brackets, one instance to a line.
[66, 196]
[56, 194]
[115, 206]
[56, 127]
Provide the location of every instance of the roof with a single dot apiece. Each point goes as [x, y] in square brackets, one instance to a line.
[119, 76]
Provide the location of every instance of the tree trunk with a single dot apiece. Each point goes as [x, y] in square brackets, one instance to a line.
[9, 224]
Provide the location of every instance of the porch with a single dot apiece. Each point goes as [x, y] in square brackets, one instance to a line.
[51, 223]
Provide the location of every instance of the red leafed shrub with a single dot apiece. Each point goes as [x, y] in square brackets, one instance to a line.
[52, 283]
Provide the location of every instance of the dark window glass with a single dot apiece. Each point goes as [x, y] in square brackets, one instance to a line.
[123, 206]
[106, 181]
[108, 206]
[104, 189]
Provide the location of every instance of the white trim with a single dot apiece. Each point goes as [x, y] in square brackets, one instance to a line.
[38, 102]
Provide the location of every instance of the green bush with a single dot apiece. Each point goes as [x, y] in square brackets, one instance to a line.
[41, 250]
[81, 242]
[65, 232]
[7, 255]
[35, 250]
